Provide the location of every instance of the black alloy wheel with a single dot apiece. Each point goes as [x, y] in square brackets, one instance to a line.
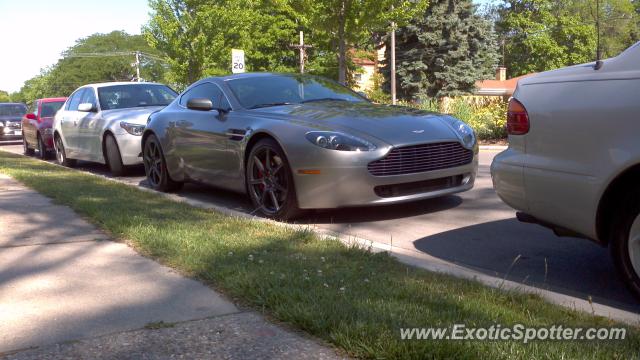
[155, 167]
[269, 181]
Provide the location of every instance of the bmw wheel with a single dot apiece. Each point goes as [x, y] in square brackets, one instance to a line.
[112, 156]
[625, 243]
[270, 182]
[25, 147]
[155, 167]
[61, 154]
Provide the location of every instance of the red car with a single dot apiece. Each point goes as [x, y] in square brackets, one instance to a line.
[37, 133]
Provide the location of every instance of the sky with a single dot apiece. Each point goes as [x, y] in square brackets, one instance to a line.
[33, 33]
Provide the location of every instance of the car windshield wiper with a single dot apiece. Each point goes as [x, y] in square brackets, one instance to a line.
[270, 104]
[323, 99]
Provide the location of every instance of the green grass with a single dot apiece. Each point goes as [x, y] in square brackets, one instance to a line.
[345, 295]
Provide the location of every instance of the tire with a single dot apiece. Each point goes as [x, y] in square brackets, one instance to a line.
[61, 154]
[112, 156]
[155, 167]
[625, 242]
[42, 149]
[270, 181]
[25, 147]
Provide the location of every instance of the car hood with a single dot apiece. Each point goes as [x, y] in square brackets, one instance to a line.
[394, 125]
[12, 118]
[137, 115]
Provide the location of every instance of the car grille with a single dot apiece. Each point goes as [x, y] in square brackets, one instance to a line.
[420, 158]
[418, 187]
[12, 124]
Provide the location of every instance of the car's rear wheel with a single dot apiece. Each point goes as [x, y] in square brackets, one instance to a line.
[270, 182]
[42, 149]
[155, 167]
[25, 147]
[61, 154]
[113, 156]
[625, 242]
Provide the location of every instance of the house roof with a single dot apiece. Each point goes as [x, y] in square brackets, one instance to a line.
[498, 87]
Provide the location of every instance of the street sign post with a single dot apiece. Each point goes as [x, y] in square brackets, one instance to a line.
[237, 61]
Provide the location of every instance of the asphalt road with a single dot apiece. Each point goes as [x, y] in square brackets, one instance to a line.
[473, 229]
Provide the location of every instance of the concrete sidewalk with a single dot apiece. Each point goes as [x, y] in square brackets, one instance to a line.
[63, 281]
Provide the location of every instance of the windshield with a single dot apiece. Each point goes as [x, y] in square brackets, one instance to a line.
[49, 109]
[134, 95]
[12, 109]
[255, 92]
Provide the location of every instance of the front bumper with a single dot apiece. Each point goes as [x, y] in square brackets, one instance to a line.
[129, 146]
[10, 132]
[348, 186]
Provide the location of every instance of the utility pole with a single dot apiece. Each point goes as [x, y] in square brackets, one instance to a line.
[302, 48]
[138, 66]
[598, 52]
[393, 63]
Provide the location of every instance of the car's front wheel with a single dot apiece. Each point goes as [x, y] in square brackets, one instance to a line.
[155, 167]
[42, 149]
[25, 147]
[625, 242]
[61, 154]
[270, 182]
[113, 157]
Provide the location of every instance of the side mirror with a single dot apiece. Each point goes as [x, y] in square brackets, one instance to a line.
[86, 107]
[31, 116]
[200, 104]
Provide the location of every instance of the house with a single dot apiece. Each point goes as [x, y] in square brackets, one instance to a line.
[368, 65]
[501, 86]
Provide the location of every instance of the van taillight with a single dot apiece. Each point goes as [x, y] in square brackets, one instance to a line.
[517, 118]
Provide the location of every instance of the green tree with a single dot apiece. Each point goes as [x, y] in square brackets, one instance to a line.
[444, 52]
[547, 34]
[198, 35]
[97, 58]
[112, 57]
[4, 96]
[541, 35]
[350, 23]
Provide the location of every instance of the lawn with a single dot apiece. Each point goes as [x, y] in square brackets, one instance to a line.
[349, 297]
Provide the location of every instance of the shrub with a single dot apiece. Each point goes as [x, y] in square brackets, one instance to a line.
[486, 115]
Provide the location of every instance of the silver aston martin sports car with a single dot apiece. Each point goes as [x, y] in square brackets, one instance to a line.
[295, 142]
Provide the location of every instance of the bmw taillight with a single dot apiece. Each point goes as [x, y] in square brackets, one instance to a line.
[517, 118]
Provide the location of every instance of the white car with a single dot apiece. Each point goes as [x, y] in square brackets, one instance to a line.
[104, 123]
[573, 162]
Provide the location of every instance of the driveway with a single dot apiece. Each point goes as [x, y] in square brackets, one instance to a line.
[473, 229]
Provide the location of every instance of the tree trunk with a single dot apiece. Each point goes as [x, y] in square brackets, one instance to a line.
[342, 46]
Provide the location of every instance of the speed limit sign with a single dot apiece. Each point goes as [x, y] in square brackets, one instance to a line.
[237, 61]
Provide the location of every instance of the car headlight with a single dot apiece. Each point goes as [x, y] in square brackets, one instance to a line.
[338, 141]
[133, 129]
[465, 133]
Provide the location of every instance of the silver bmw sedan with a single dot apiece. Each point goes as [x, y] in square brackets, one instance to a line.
[294, 142]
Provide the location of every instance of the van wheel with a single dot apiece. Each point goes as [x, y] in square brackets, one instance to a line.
[113, 157]
[625, 242]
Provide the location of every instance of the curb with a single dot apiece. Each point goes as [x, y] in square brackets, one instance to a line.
[415, 259]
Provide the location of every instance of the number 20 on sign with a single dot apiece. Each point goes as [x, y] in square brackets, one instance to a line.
[237, 61]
